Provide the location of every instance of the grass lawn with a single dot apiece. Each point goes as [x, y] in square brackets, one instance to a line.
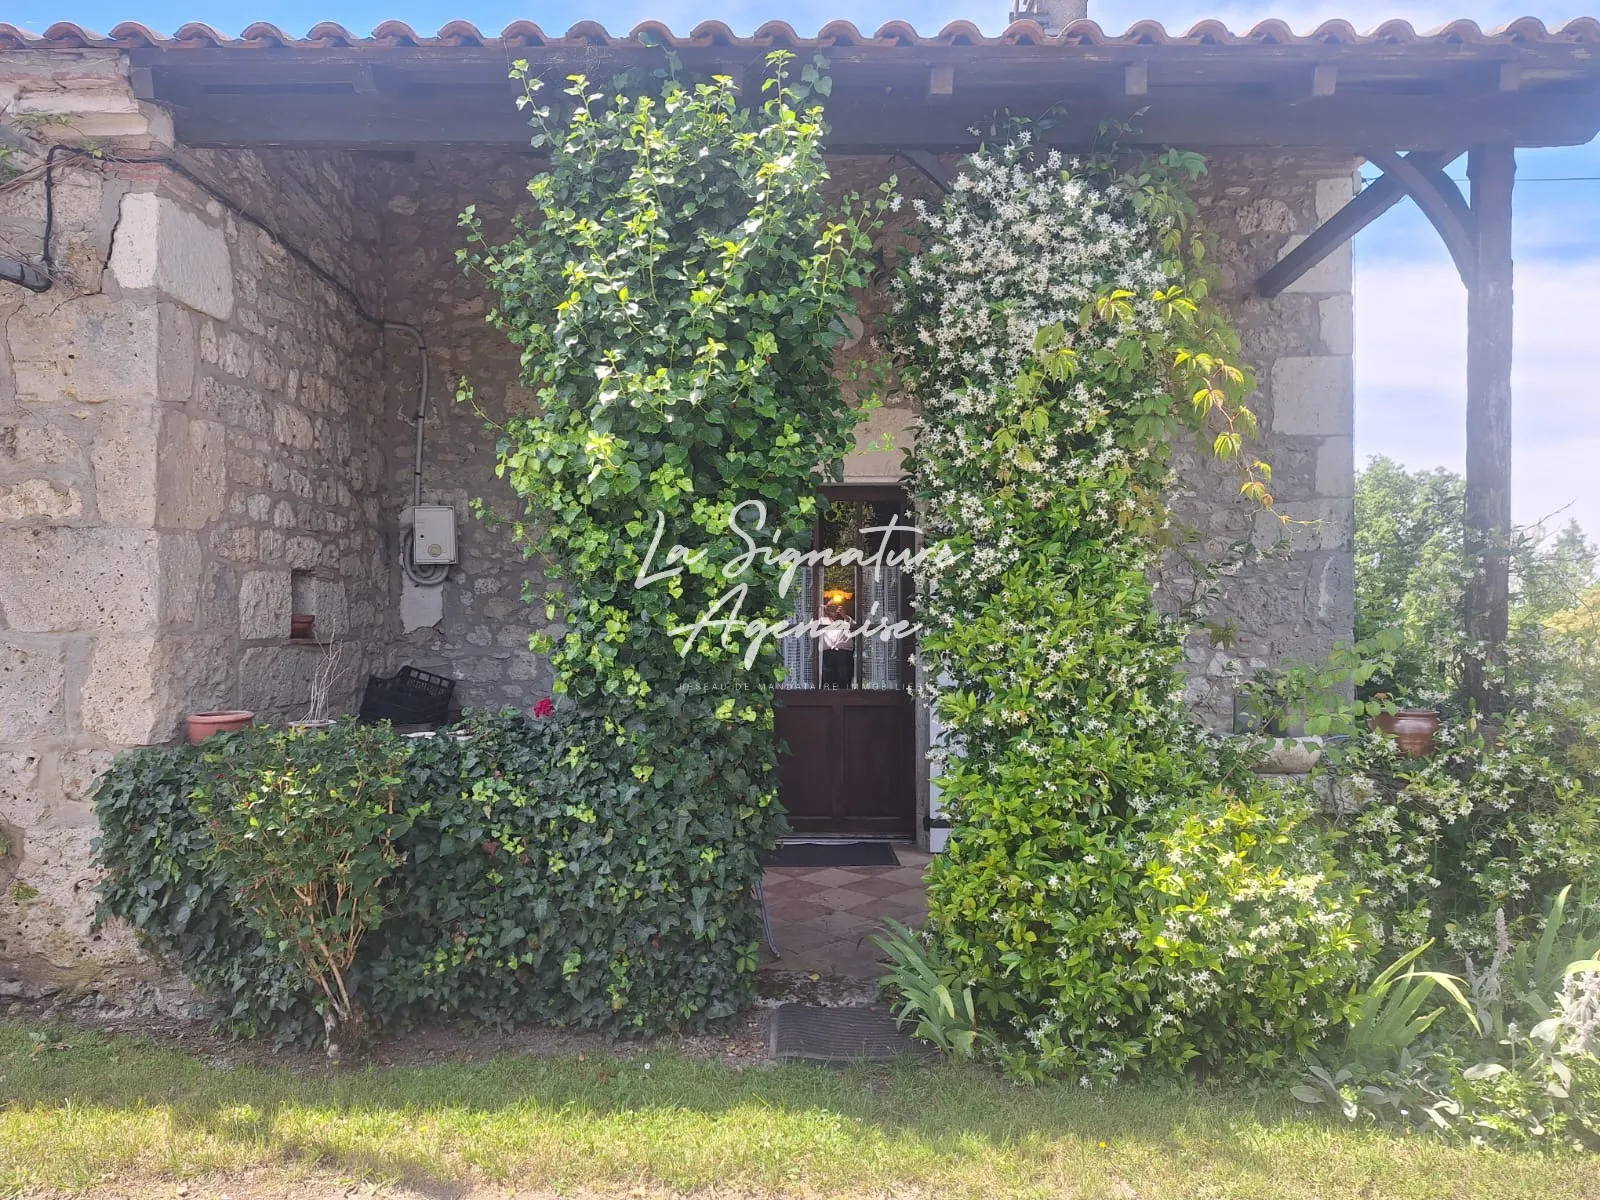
[118, 1115]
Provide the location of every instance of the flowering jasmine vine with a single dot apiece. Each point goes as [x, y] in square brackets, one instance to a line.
[1110, 899]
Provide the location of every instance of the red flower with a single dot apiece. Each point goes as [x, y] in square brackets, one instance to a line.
[544, 708]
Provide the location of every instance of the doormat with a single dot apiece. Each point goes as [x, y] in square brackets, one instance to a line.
[837, 1037]
[834, 854]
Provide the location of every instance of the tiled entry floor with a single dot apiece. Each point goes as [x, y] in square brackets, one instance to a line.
[824, 917]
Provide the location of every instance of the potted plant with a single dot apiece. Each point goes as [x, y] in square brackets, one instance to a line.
[334, 665]
[1413, 729]
[203, 724]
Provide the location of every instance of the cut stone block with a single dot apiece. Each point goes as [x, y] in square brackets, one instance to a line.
[1336, 467]
[121, 698]
[86, 350]
[192, 490]
[163, 245]
[1333, 194]
[1337, 319]
[66, 580]
[36, 499]
[33, 674]
[124, 455]
[1313, 395]
[265, 600]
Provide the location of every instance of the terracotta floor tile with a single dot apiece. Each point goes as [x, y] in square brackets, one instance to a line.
[880, 886]
[785, 889]
[836, 876]
[824, 918]
[841, 898]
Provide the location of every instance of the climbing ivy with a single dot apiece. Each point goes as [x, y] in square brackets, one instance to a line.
[1110, 895]
[677, 301]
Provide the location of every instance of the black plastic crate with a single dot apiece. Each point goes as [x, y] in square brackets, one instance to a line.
[408, 697]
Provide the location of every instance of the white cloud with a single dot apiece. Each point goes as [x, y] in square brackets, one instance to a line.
[1411, 345]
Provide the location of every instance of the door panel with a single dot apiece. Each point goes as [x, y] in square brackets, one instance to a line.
[850, 765]
[808, 774]
[877, 765]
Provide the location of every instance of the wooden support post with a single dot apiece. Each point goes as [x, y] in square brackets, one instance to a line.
[1492, 170]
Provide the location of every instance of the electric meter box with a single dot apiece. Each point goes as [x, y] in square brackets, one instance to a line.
[433, 534]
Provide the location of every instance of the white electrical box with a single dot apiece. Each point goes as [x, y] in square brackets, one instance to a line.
[433, 534]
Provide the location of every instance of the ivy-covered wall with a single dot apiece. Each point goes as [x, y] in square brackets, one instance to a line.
[1256, 207]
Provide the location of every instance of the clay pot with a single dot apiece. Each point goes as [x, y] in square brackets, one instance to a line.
[300, 624]
[203, 725]
[1413, 730]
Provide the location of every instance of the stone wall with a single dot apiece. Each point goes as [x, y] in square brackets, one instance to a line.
[89, 579]
[474, 627]
[187, 419]
[1294, 596]
[284, 409]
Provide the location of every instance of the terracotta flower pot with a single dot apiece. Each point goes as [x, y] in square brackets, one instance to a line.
[203, 725]
[300, 624]
[1413, 730]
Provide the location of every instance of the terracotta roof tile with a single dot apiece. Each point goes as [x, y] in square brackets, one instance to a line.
[329, 34]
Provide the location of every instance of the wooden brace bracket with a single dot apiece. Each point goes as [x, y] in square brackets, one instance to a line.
[1424, 170]
[1440, 201]
[928, 163]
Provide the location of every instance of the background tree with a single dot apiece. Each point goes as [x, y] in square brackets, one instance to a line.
[1411, 575]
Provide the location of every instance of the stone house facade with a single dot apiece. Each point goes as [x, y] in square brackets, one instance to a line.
[209, 420]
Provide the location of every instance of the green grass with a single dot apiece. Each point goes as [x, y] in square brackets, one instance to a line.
[110, 1109]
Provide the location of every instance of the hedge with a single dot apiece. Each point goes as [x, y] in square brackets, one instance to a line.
[530, 887]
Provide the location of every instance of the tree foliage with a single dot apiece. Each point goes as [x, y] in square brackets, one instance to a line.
[1411, 576]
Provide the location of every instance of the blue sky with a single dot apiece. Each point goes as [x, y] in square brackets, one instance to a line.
[1410, 307]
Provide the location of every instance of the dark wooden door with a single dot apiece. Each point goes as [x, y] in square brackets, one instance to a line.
[845, 715]
[849, 765]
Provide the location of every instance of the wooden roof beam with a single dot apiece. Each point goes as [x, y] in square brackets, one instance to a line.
[866, 122]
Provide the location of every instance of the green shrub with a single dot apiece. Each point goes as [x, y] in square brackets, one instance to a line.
[1116, 895]
[162, 878]
[527, 886]
[1208, 930]
[1496, 819]
[535, 887]
[677, 303]
[303, 828]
